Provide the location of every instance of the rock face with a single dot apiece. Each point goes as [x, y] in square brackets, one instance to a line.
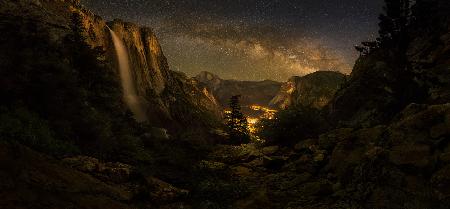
[165, 93]
[313, 90]
[379, 86]
[252, 92]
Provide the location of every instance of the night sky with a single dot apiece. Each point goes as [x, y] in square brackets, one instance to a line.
[252, 39]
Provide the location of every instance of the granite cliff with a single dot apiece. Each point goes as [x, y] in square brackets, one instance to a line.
[252, 92]
[164, 93]
[313, 90]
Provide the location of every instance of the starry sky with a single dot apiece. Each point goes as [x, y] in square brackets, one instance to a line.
[252, 39]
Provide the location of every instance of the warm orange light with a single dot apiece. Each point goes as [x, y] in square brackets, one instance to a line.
[252, 120]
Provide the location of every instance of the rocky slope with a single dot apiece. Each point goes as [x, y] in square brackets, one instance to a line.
[401, 165]
[313, 90]
[34, 180]
[252, 92]
[165, 93]
[380, 86]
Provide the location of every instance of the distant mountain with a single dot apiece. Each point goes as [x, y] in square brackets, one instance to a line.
[314, 90]
[252, 92]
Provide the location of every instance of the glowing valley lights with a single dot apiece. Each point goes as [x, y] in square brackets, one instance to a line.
[261, 112]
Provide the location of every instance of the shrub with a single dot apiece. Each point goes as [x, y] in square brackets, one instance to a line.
[21, 126]
[291, 125]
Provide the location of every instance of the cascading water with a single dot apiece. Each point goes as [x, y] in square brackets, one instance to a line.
[129, 91]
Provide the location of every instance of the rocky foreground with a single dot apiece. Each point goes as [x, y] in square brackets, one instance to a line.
[402, 165]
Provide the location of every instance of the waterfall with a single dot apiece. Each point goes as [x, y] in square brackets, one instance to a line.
[130, 95]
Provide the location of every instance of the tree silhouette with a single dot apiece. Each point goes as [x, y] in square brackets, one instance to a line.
[393, 28]
[393, 23]
[366, 47]
[237, 124]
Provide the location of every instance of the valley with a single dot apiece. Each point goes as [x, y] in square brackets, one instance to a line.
[92, 116]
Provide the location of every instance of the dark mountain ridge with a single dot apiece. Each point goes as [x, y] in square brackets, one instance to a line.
[312, 90]
[252, 92]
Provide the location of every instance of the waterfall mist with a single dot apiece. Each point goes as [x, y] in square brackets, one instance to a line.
[129, 91]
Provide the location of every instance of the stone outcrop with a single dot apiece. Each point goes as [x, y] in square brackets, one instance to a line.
[110, 172]
[313, 90]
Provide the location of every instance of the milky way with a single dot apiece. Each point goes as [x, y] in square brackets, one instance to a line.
[253, 39]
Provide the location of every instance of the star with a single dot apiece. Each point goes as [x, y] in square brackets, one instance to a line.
[253, 39]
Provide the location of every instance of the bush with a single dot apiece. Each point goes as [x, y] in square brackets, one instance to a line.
[21, 126]
[291, 125]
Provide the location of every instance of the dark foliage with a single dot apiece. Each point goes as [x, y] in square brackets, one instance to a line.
[237, 125]
[393, 28]
[291, 126]
[65, 91]
[367, 47]
[393, 23]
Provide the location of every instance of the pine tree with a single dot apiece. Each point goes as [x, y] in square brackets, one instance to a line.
[366, 47]
[393, 23]
[237, 123]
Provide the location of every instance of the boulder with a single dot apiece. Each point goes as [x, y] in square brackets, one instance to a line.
[344, 158]
[441, 181]
[212, 166]
[275, 162]
[161, 191]
[113, 172]
[235, 154]
[270, 150]
[305, 145]
[316, 188]
[256, 163]
[259, 199]
[415, 155]
[445, 157]
[241, 171]
[421, 124]
[83, 163]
